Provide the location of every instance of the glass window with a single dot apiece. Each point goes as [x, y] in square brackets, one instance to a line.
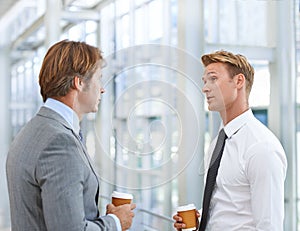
[123, 32]
[25, 96]
[144, 130]
[107, 31]
[91, 28]
[139, 27]
[122, 7]
[156, 20]
[229, 22]
[76, 32]
[260, 93]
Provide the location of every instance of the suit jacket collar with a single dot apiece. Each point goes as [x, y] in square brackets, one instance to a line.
[51, 114]
[65, 111]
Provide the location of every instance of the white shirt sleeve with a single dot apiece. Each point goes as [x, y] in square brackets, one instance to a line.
[266, 171]
[118, 223]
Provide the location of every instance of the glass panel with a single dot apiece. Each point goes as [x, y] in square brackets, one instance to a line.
[14, 88]
[91, 27]
[174, 13]
[227, 16]
[139, 2]
[25, 95]
[76, 32]
[107, 32]
[122, 7]
[91, 32]
[144, 135]
[28, 86]
[260, 93]
[140, 28]
[229, 22]
[20, 93]
[91, 39]
[156, 21]
[123, 32]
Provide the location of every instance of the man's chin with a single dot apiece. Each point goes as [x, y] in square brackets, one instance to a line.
[211, 108]
[94, 110]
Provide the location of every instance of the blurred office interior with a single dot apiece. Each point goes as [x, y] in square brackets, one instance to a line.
[153, 127]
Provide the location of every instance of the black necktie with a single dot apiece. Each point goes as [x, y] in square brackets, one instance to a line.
[211, 177]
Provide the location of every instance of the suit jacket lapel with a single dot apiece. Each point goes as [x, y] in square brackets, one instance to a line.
[49, 113]
[87, 157]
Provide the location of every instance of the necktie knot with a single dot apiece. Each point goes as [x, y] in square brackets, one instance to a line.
[218, 151]
[80, 135]
[222, 135]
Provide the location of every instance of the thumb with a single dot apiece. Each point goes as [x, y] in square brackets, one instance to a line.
[109, 208]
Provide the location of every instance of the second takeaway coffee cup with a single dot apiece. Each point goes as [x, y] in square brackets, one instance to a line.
[119, 198]
[188, 215]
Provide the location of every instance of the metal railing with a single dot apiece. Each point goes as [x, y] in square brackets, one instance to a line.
[146, 220]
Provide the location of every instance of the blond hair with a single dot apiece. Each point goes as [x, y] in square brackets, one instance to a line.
[235, 64]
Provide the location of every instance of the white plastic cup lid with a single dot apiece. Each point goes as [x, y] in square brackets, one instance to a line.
[186, 207]
[121, 195]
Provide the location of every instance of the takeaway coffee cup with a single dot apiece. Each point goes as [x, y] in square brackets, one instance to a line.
[188, 215]
[119, 198]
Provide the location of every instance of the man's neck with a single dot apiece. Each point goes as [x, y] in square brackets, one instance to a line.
[232, 112]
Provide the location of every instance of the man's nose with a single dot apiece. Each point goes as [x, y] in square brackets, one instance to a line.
[205, 88]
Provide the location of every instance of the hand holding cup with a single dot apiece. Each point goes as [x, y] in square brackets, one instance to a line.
[186, 218]
[119, 198]
[122, 207]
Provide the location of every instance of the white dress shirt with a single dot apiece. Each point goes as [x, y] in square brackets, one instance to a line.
[249, 193]
[71, 117]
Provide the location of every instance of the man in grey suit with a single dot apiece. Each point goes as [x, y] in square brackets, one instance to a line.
[51, 181]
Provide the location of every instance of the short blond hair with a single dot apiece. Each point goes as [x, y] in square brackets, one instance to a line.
[235, 64]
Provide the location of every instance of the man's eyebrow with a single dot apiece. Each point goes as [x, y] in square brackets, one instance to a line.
[208, 74]
[211, 72]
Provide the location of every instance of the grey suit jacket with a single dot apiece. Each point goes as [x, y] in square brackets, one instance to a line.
[52, 184]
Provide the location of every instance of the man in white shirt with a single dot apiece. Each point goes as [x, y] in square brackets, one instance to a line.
[51, 180]
[249, 188]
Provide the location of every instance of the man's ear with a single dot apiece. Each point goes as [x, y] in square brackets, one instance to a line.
[240, 80]
[78, 84]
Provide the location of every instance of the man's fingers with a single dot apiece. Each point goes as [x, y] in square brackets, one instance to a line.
[177, 218]
[132, 206]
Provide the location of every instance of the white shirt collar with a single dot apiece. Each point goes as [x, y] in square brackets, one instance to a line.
[66, 112]
[237, 123]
